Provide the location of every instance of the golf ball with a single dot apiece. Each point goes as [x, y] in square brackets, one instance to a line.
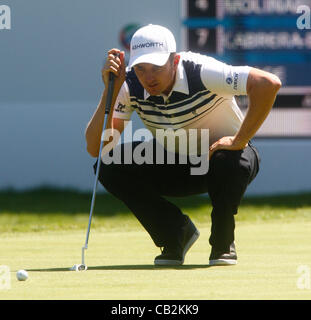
[21, 275]
[79, 267]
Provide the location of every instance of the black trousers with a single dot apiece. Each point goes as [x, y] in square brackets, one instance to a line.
[143, 187]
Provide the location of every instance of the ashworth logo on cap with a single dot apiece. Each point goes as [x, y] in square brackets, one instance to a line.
[147, 45]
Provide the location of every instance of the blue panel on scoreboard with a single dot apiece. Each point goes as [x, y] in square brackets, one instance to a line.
[252, 32]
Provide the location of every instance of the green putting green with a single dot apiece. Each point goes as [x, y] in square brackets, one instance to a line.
[43, 231]
[273, 258]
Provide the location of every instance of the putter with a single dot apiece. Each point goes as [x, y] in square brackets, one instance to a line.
[82, 266]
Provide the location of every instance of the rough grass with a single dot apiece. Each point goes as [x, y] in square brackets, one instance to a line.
[55, 209]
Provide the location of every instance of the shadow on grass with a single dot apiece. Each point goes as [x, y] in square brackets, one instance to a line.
[127, 267]
[66, 201]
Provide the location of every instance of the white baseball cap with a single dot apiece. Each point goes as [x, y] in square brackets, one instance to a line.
[151, 44]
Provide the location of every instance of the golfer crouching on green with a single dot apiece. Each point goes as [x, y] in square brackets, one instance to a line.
[189, 93]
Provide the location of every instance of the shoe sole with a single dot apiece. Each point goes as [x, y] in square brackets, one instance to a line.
[188, 245]
[222, 262]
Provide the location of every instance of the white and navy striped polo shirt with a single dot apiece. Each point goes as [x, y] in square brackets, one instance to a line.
[202, 98]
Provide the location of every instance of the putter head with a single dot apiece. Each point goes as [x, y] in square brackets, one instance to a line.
[79, 267]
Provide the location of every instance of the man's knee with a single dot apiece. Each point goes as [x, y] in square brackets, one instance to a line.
[228, 165]
[107, 176]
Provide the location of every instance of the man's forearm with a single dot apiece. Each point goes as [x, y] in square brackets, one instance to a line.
[94, 127]
[261, 99]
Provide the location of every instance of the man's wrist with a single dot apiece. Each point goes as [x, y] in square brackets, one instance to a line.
[103, 98]
[240, 141]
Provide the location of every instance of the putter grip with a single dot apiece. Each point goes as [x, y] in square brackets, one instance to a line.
[110, 92]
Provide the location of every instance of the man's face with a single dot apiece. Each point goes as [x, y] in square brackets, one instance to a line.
[155, 79]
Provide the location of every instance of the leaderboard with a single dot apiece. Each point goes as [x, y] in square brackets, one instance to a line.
[260, 33]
